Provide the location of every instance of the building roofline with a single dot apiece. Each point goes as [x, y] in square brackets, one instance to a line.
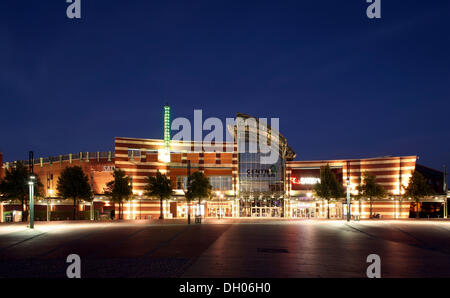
[354, 159]
[419, 164]
[174, 141]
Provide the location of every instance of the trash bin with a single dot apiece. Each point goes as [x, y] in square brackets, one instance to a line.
[198, 219]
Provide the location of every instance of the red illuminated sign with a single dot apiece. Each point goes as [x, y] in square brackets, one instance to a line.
[305, 180]
[295, 180]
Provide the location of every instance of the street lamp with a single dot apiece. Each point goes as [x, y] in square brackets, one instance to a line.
[49, 196]
[348, 199]
[31, 187]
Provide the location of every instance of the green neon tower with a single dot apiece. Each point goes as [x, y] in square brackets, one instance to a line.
[166, 126]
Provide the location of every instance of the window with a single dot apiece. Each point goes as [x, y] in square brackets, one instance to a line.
[221, 182]
[217, 182]
[134, 153]
[181, 182]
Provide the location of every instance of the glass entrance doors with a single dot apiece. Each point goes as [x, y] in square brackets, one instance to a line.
[261, 207]
[302, 212]
[266, 212]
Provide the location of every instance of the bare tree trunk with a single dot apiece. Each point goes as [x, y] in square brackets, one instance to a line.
[418, 210]
[189, 213]
[370, 200]
[360, 208]
[23, 210]
[161, 215]
[328, 209]
[74, 208]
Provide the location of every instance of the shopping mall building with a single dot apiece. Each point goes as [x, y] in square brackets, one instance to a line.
[243, 186]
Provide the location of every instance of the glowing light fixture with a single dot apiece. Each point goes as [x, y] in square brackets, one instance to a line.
[167, 126]
[31, 183]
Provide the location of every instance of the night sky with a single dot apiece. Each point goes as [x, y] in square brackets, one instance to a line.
[343, 86]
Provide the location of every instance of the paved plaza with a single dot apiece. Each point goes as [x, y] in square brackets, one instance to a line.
[227, 248]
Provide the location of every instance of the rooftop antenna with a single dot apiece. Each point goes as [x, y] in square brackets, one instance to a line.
[167, 124]
[167, 93]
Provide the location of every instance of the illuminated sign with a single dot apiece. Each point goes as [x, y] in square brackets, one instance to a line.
[108, 168]
[260, 173]
[270, 172]
[164, 155]
[305, 180]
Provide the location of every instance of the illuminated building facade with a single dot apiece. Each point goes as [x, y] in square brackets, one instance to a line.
[392, 173]
[139, 158]
[242, 185]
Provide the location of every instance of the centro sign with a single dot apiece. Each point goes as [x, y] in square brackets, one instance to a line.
[262, 172]
[305, 180]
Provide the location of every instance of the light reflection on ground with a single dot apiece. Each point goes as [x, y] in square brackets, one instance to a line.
[227, 248]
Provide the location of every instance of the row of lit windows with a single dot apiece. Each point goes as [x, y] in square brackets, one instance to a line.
[261, 186]
[221, 182]
[217, 182]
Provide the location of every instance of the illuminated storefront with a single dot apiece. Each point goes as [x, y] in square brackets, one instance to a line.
[261, 185]
[302, 203]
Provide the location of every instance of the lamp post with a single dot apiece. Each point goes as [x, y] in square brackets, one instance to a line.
[31, 187]
[188, 185]
[445, 193]
[49, 193]
[349, 208]
[348, 200]
[49, 196]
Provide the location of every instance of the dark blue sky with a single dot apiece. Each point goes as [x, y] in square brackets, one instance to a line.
[342, 85]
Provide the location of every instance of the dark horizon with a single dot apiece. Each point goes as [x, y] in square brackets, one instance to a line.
[342, 85]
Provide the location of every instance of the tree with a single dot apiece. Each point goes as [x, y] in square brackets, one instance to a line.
[14, 186]
[120, 189]
[198, 187]
[370, 189]
[329, 187]
[73, 184]
[159, 186]
[418, 188]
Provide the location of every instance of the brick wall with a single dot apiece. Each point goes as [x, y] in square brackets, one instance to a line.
[98, 172]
